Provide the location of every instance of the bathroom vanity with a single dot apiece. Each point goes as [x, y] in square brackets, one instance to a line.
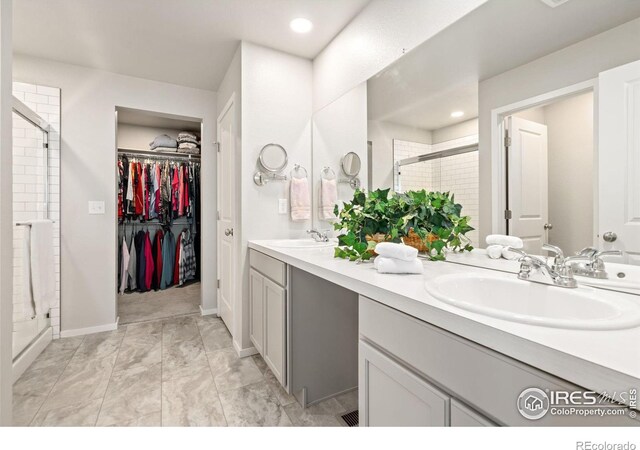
[418, 360]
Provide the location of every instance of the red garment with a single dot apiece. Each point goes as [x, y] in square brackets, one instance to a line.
[149, 266]
[176, 266]
[186, 188]
[138, 188]
[180, 191]
[175, 184]
[145, 190]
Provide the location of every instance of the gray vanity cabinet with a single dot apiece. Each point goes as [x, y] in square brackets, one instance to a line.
[267, 311]
[395, 396]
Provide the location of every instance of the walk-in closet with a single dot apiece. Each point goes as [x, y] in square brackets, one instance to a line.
[159, 216]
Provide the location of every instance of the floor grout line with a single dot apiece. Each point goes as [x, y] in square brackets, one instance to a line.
[110, 376]
[57, 379]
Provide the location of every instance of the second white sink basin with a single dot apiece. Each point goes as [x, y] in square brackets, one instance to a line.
[534, 303]
[302, 243]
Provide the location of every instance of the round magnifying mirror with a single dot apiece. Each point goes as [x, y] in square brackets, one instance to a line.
[273, 158]
[351, 164]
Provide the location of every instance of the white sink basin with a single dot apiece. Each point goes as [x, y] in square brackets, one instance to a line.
[302, 243]
[538, 304]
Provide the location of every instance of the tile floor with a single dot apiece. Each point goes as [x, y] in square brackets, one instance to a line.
[154, 305]
[175, 372]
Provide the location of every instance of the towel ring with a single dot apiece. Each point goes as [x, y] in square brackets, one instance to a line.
[297, 168]
[327, 173]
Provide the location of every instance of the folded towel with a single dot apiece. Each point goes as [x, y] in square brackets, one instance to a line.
[328, 198]
[163, 140]
[164, 149]
[187, 135]
[507, 254]
[397, 251]
[494, 251]
[392, 265]
[188, 145]
[300, 199]
[43, 276]
[504, 240]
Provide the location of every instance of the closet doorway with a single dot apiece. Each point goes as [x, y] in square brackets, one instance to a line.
[158, 201]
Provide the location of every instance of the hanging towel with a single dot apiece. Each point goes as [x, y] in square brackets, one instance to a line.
[397, 251]
[300, 203]
[329, 198]
[124, 265]
[43, 274]
[504, 240]
[27, 293]
[390, 265]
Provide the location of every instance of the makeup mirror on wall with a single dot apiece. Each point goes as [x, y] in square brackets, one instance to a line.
[527, 143]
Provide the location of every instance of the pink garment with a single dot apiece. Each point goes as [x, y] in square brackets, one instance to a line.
[174, 190]
[181, 193]
[149, 266]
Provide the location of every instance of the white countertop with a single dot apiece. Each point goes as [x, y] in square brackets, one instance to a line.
[603, 361]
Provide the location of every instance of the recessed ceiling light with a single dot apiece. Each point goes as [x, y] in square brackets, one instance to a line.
[301, 25]
[456, 114]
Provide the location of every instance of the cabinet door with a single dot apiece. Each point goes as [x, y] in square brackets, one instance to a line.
[392, 395]
[463, 416]
[256, 309]
[274, 329]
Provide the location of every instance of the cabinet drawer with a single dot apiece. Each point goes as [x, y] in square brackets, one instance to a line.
[268, 266]
[463, 416]
[487, 380]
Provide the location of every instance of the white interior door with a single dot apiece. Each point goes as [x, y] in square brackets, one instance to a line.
[528, 182]
[226, 214]
[619, 160]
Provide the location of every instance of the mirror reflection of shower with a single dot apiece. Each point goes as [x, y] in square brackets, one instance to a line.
[36, 203]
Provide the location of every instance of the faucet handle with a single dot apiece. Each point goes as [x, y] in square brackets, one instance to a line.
[600, 253]
[553, 249]
[588, 251]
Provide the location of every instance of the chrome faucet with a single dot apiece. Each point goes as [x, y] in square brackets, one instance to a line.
[318, 236]
[588, 262]
[560, 272]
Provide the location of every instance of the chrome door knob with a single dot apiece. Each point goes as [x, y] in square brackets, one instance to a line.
[610, 236]
[548, 226]
[228, 232]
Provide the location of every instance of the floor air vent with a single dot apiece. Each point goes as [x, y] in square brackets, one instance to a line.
[350, 419]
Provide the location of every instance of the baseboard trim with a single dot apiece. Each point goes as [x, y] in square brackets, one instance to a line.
[89, 330]
[29, 354]
[208, 312]
[244, 352]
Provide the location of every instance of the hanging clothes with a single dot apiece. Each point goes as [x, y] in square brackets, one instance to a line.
[176, 267]
[168, 259]
[187, 258]
[157, 259]
[132, 271]
[124, 265]
[148, 260]
[142, 267]
[138, 189]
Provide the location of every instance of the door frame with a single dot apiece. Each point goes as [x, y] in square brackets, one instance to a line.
[237, 233]
[498, 150]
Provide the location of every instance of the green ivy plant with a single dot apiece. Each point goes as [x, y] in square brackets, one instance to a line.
[434, 216]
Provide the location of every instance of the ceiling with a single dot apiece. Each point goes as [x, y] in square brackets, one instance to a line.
[189, 43]
[441, 76]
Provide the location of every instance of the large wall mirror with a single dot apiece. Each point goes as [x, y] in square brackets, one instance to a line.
[533, 133]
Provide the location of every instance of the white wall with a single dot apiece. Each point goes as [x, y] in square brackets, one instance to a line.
[571, 176]
[379, 35]
[88, 161]
[6, 219]
[456, 131]
[579, 62]
[276, 108]
[339, 128]
[381, 134]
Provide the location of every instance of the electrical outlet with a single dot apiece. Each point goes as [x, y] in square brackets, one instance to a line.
[282, 206]
[96, 207]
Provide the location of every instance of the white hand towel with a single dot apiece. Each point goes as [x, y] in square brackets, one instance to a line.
[29, 309]
[43, 276]
[494, 251]
[507, 254]
[397, 251]
[328, 198]
[391, 265]
[504, 240]
[300, 199]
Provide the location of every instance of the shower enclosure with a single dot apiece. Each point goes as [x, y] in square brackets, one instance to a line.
[35, 196]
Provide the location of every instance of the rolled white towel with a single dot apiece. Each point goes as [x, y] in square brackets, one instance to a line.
[507, 254]
[504, 240]
[494, 251]
[396, 251]
[391, 265]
